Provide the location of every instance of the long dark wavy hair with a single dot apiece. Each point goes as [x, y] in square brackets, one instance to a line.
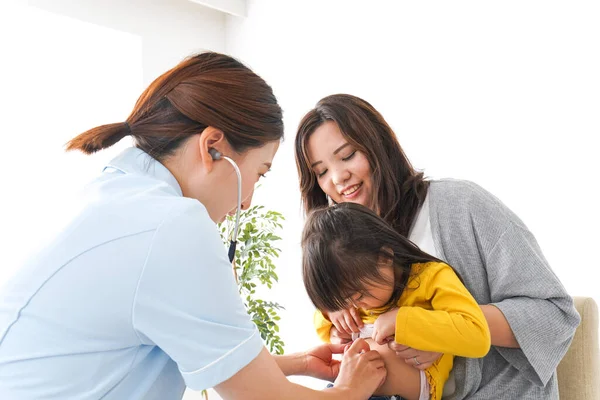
[400, 189]
[342, 246]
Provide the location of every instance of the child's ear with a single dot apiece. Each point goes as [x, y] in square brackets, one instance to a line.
[386, 257]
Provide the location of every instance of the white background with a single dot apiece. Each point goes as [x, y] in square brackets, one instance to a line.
[505, 94]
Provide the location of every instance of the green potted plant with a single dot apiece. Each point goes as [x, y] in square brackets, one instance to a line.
[254, 268]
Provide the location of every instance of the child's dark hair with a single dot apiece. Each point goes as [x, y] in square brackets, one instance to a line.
[342, 247]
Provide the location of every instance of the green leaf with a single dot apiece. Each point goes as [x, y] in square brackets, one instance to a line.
[255, 265]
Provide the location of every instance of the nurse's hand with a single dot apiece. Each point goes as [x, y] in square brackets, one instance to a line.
[360, 373]
[362, 370]
[417, 358]
[320, 363]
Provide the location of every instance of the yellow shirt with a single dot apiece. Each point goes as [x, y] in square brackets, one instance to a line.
[437, 313]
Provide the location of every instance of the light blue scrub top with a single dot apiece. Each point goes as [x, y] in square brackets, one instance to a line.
[134, 299]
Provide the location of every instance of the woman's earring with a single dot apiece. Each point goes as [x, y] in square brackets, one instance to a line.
[329, 201]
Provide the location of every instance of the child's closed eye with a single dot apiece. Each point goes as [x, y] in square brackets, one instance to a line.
[357, 299]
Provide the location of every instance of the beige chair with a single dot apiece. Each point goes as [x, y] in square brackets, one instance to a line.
[579, 371]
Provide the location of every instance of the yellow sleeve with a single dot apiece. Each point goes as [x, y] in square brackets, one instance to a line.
[455, 324]
[322, 325]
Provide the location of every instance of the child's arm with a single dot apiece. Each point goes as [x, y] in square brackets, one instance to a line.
[456, 325]
[322, 325]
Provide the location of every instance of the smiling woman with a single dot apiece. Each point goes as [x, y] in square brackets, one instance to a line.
[334, 160]
[338, 148]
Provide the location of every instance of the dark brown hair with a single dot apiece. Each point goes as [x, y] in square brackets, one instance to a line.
[342, 246]
[400, 189]
[207, 89]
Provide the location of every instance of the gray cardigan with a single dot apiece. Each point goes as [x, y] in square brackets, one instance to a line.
[502, 264]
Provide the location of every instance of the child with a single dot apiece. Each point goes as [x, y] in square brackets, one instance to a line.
[351, 257]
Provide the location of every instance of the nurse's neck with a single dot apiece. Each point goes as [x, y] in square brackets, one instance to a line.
[188, 171]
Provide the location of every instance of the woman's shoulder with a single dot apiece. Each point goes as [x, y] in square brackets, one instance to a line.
[465, 217]
[178, 214]
[458, 189]
[186, 236]
[455, 198]
[186, 215]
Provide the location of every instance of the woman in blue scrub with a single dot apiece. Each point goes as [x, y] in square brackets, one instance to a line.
[134, 298]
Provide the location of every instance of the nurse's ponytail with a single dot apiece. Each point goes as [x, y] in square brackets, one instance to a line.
[99, 138]
[208, 89]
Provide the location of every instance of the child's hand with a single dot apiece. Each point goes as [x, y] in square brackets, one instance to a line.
[346, 321]
[337, 337]
[384, 327]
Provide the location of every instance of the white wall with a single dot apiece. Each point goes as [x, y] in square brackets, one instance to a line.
[501, 93]
[169, 29]
[69, 66]
[62, 81]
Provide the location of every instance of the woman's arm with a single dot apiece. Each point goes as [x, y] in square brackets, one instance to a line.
[500, 331]
[292, 364]
[534, 303]
[361, 372]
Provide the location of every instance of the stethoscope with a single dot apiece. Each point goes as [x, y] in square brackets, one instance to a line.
[214, 153]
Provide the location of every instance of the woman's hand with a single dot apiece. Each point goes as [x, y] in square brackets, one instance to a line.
[384, 327]
[337, 337]
[362, 370]
[417, 358]
[346, 321]
[320, 363]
